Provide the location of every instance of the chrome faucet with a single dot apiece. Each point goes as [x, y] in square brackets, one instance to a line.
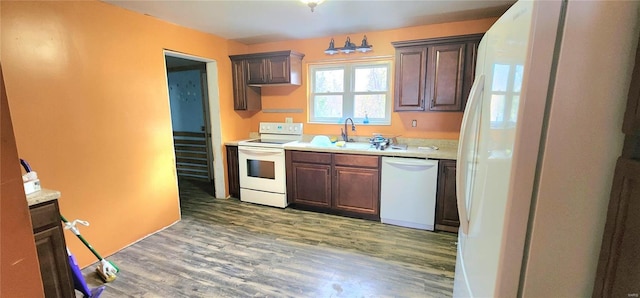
[345, 133]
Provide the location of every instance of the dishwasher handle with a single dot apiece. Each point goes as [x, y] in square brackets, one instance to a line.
[422, 163]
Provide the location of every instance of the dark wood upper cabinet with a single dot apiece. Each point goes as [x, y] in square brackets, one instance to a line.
[245, 97]
[284, 69]
[471, 55]
[252, 71]
[435, 74]
[410, 79]
[446, 76]
[271, 68]
[281, 69]
[256, 73]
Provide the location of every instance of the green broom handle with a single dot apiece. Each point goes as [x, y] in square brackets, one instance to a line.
[83, 240]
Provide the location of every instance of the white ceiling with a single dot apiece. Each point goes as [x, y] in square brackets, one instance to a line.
[251, 22]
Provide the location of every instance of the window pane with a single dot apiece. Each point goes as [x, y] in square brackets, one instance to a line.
[500, 77]
[517, 84]
[373, 105]
[329, 106]
[497, 108]
[371, 79]
[514, 109]
[330, 80]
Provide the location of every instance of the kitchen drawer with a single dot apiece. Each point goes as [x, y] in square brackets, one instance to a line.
[352, 160]
[44, 215]
[311, 157]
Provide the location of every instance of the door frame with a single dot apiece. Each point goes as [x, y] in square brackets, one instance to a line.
[212, 107]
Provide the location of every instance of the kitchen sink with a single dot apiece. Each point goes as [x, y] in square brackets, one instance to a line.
[357, 145]
[329, 145]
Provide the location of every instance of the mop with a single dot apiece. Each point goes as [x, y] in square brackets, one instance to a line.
[106, 270]
[78, 280]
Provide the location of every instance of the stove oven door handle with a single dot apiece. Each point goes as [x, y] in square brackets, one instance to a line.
[262, 151]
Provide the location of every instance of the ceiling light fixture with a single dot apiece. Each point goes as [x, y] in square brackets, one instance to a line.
[312, 3]
[349, 47]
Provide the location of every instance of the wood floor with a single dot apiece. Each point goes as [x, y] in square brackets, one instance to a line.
[227, 248]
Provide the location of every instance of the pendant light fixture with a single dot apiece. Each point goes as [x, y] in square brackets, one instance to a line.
[349, 47]
[364, 46]
[312, 3]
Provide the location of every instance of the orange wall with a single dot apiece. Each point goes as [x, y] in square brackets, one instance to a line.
[88, 93]
[19, 270]
[430, 125]
[87, 89]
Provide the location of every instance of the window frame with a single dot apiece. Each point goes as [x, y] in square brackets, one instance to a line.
[348, 94]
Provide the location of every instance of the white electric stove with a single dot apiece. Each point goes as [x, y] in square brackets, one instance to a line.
[262, 164]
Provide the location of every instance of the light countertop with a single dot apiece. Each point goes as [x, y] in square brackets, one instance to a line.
[41, 196]
[419, 148]
[362, 148]
[234, 143]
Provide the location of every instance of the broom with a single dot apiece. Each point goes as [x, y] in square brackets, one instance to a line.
[106, 269]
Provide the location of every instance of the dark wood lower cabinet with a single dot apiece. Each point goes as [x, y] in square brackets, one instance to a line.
[312, 184]
[52, 252]
[233, 174]
[344, 184]
[357, 190]
[618, 274]
[446, 200]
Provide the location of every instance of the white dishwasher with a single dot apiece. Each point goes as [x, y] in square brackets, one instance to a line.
[408, 192]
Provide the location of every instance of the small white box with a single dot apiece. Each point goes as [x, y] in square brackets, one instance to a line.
[32, 186]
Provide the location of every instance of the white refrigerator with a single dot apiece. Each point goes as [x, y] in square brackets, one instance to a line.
[540, 136]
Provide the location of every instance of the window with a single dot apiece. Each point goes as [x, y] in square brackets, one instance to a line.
[357, 90]
[505, 95]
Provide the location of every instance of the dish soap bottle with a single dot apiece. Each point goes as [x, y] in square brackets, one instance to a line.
[366, 118]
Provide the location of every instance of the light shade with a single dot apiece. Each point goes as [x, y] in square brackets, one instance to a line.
[349, 47]
[364, 46]
[331, 50]
[312, 3]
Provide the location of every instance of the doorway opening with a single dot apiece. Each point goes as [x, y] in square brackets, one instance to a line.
[193, 98]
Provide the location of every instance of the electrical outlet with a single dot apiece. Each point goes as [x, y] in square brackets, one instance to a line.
[414, 123]
[288, 120]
